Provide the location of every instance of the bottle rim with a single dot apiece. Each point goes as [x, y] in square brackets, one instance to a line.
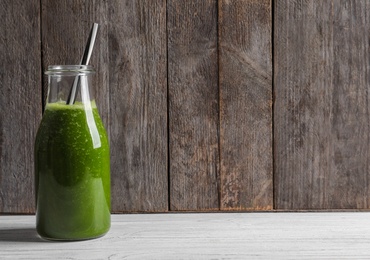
[70, 70]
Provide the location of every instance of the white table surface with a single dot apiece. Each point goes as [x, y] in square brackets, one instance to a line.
[313, 235]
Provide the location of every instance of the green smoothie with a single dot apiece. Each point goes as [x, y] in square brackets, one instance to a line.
[72, 173]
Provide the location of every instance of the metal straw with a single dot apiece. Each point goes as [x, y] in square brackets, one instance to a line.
[84, 61]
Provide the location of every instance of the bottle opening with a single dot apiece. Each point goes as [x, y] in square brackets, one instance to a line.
[70, 70]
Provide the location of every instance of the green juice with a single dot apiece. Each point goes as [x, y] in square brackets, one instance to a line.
[72, 173]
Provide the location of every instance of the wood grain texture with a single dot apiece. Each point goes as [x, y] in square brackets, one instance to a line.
[20, 102]
[245, 43]
[202, 236]
[322, 104]
[193, 104]
[138, 105]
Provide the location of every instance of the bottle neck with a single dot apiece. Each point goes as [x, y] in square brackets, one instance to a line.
[70, 84]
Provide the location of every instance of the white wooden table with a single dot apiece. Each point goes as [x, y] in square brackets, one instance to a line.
[329, 235]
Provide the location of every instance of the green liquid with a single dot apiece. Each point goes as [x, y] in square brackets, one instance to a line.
[72, 173]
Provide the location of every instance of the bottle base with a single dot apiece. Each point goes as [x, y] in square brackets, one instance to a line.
[66, 239]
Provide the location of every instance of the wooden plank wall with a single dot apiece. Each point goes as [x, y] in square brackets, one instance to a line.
[138, 105]
[20, 102]
[245, 29]
[322, 99]
[193, 104]
[209, 105]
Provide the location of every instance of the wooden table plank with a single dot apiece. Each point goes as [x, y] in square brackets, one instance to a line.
[328, 235]
[20, 102]
[245, 43]
[193, 104]
[321, 116]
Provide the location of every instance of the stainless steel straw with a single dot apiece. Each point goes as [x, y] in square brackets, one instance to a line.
[84, 61]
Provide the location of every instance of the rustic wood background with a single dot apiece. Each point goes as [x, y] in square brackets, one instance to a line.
[209, 105]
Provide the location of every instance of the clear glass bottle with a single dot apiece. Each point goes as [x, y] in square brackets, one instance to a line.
[72, 168]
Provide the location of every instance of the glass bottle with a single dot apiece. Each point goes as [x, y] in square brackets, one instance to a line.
[72, 168]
